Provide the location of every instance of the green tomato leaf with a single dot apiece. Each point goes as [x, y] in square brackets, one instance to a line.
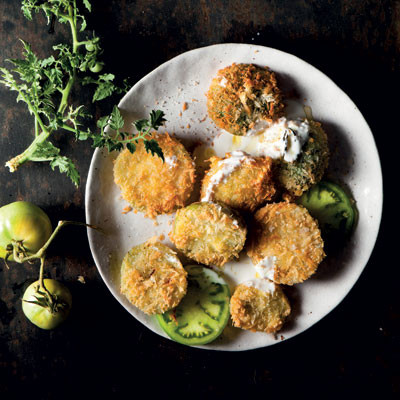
[103, 122]
[45, 151]
[141, 124]
[131, 147]
[157, 118]
[87, 5]
[153, 147]
[116, 121]
[65, 165]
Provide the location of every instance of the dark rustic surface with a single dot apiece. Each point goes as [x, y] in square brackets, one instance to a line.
[101, 349]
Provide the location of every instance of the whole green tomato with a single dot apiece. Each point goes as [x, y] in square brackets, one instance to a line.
[24, 222]
[44, 310]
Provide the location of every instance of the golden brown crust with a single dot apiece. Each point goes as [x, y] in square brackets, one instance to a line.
[242, 94]
[152, 186]
[152, 278]
[208, 233]
[246, 188]
[288, 232]
[256, 310]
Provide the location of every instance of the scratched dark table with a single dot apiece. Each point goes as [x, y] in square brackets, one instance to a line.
[101, 349]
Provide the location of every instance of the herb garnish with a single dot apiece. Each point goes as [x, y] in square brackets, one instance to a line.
[45, 86]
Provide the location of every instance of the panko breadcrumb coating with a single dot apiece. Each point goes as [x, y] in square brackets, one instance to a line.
[151, 185]
[259, 310]
[241, 95]
[239, 181]
[208, 233]
[152, 278]
[298, 176]
[287, 242]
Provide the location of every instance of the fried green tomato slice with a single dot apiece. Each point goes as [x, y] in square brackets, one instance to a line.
[285, 244]
[152, 278]
[241, 96]
[308, 169]
[259, 305]
[151, 185]
[203, 313]
[239, 181]
[208, 233]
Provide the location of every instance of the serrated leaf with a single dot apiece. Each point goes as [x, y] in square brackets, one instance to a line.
[27, 12]
[66, 165]
[116, 121]
[153, 147]
[157, 118]
[47, 61]
[141, 124]
[103, 91]
[131, 147]
[45, 151]
[103, 122]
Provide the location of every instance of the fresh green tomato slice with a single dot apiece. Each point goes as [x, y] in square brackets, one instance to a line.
[45, 313]
[203, 313]
[24, 222]
[331, 206]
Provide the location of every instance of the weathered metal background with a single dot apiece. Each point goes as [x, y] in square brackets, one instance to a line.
[101, 349]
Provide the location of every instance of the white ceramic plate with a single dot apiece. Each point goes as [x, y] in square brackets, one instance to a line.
[185, 79]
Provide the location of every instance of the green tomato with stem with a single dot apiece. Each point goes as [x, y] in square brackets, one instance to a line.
[47, 305]
[24, 228]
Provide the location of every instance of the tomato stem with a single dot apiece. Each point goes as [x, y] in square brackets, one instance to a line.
[41, 280]
[19, 249]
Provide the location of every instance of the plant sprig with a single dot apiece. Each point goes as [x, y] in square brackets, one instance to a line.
[45, 86]
[120, 139]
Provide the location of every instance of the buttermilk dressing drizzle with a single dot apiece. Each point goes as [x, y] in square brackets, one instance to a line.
[226, 167]
[281, 139]
[265, 285]
[266, 267]
[284, 139]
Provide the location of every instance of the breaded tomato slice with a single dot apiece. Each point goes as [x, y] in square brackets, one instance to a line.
[152, 278]
[285, 244]
[259, 305]
[151, 185]
[239, 181]
[243, 96]
[208, 233]
[298, 176]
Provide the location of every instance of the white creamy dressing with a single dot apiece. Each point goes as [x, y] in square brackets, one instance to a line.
[259, 126]
[226, 167]
[266, 267]
[172, 162]
[284, 139]
[281, 139]
[265, 285]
